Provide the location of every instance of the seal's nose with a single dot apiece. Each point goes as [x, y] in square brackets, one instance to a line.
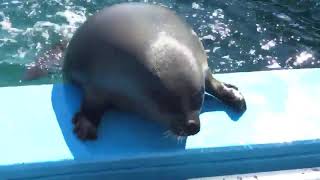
[192, 127]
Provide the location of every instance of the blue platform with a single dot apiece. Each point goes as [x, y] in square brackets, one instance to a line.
[280, 130]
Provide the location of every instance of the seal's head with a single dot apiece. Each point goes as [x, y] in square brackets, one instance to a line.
[180, 85]
[180, 109]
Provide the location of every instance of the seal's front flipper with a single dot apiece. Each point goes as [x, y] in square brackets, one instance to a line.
[83, 126]
[87, 120]
[227, 93]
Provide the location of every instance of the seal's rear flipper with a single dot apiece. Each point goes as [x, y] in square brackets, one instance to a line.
[50, 61]
[34, 73]
[227, 93]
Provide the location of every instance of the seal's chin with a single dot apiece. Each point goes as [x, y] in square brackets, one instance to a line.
[184, 131]
[180, 133]
[185, 128]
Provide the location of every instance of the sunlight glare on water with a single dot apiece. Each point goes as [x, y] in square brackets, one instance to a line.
[238, 35]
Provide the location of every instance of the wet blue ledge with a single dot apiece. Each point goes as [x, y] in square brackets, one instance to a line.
[280, 130]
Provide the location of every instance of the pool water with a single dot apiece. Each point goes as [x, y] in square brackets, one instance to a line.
[238, 35]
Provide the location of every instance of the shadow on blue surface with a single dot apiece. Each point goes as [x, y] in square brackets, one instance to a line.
[120, 134]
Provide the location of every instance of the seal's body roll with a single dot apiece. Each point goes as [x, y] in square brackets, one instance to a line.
[145, 59]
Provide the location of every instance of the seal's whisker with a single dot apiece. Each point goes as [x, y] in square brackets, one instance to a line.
[167, 134]
[173, 136]
[179, 138]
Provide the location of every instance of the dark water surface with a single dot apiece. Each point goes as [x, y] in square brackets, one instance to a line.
[238, 35]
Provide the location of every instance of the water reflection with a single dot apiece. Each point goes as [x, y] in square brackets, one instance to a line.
[238, 35]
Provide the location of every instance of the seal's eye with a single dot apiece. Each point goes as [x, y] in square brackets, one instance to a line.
[168, 103]
[197, 99]
[171, 104]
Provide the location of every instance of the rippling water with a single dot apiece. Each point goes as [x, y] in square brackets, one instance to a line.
[238, 35]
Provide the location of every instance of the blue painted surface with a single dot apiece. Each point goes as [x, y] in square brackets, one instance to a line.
[283, 106]
[279, 131]
[29, 131]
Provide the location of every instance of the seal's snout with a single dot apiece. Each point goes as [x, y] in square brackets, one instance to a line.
[192, 127]
[187, 128]
[243, 106]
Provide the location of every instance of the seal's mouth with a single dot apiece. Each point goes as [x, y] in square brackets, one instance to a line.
[188, 129]
[170, 134]
[183, 133]
[180, 133]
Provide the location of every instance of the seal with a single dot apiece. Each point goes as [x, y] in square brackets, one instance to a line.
[144, 59]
